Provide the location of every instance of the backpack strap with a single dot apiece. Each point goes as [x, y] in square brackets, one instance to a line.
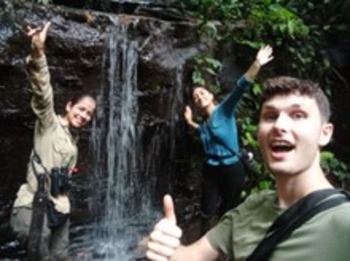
[296, 215]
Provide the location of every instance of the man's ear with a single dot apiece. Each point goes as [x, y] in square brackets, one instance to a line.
[326, 134]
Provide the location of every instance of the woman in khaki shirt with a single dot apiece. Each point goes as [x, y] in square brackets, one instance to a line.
[54, 144]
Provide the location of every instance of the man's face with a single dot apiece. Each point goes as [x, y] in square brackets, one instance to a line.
[291, 133]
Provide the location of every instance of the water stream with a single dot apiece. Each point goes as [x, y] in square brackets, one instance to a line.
[125, 184]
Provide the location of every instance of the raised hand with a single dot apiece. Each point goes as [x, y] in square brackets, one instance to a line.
[188, 114]
[165, 237]
[264, 55]
[38, 36]
[189, 118]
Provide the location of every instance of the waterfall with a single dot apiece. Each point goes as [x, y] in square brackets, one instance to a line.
[117, 146]
[132, 164]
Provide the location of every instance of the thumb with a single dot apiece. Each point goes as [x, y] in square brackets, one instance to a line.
[169, 211]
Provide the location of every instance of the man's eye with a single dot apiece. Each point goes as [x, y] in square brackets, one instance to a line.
[298, 115]
[270, 117]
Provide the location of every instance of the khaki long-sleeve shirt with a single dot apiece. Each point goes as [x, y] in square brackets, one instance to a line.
[53, 141]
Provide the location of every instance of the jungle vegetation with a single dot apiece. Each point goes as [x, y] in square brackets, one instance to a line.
[301, 32]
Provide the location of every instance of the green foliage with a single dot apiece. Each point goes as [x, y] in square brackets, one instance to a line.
[205, 72]
[331, 165]
[297, 29]
[213, 9]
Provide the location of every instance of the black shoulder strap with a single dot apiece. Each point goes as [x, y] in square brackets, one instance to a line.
[36, 158]
[294, 217]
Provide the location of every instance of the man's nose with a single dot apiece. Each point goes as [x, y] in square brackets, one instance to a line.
[282, 123]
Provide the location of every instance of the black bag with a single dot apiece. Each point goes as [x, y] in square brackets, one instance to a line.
[55, 218]
[59, 181]
[59, 184]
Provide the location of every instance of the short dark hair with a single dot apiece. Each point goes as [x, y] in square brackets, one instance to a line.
[284, 85]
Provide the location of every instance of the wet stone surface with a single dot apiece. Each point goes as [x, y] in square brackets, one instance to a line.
[75, 47]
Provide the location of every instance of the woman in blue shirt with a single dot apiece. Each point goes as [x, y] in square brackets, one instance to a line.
[223, 173]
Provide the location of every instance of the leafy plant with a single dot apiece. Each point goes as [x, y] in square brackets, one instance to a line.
[297, 29]
[333, 166]
[205, 73]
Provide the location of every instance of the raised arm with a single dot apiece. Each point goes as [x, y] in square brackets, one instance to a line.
[42, 100]
[263, 56]
[164, 242]
[189, 118]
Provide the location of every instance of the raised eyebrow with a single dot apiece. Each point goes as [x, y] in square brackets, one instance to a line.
[272, 107]
[268, 108]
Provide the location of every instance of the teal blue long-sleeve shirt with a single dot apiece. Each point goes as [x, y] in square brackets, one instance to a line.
[223, 126]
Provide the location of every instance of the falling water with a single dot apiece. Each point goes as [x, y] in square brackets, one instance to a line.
[116, 147]
[127, 170]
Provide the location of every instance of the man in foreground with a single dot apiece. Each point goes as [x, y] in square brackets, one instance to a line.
[293, 127]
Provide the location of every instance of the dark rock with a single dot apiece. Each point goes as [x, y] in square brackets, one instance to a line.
[75, 47]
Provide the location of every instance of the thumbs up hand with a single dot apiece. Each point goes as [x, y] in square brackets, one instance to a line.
[165, 237]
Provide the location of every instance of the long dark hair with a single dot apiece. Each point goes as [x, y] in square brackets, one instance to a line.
[215, 101]
[77, 97]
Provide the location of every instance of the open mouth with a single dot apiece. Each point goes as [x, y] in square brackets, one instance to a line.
[281, 146]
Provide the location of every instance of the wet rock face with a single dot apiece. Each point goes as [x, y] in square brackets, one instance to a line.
[75, 47]
[81, 3]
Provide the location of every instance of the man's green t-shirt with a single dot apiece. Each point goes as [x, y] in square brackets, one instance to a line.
[325, 237]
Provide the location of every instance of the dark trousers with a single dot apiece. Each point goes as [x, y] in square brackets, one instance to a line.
[223, 183]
